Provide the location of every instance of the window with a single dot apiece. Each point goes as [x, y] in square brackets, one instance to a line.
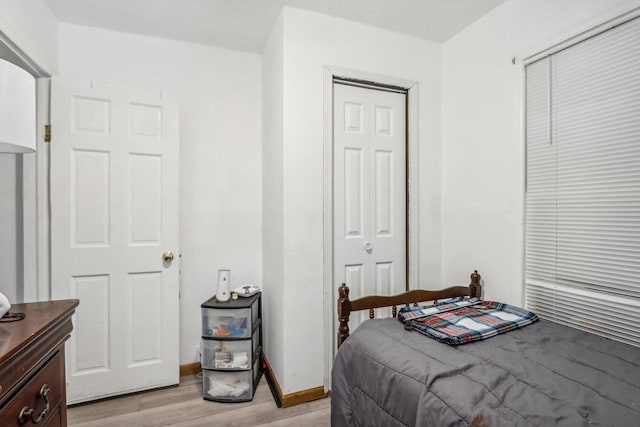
[583, 184]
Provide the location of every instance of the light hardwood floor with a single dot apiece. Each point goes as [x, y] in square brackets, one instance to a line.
[184, 406]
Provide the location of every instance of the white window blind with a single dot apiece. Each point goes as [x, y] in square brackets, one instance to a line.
[583, 184]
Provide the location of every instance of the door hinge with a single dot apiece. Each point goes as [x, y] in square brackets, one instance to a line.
[47, 133]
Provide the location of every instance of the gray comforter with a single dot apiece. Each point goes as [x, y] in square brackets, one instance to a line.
[545, 374]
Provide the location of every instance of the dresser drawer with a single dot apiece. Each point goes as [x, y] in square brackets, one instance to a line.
[29, 396]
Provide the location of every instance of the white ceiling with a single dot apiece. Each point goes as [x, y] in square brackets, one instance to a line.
[245, 24]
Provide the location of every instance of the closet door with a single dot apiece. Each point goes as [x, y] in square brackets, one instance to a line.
[369, 192]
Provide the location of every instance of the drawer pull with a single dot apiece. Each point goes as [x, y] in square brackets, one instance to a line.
[28, 412]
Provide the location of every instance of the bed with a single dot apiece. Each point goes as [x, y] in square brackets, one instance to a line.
[544, 374]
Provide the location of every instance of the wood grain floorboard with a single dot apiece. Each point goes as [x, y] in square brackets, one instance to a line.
[316, 418]
[183, 406]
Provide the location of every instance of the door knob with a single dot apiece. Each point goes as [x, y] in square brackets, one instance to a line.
[167, 256]
[368, 247]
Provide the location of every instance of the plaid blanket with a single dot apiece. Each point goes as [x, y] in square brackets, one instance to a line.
[476, 322]
[410, 313]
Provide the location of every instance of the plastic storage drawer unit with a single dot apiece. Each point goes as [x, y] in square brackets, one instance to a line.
[231, 348]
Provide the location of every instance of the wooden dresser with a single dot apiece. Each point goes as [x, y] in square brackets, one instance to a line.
[32, 378]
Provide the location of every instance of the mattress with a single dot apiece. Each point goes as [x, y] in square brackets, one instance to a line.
[545, 374]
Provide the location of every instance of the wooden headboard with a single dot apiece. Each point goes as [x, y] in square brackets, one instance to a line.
[346, 306]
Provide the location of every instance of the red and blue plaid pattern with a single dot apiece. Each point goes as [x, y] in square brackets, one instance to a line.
[410, 313]
[483, 320]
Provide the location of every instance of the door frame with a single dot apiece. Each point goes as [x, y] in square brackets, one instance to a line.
[330, 292]
[32, 182]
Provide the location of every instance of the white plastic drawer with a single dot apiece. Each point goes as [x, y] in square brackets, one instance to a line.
[224, 385]
[226, 323]
[236, 354]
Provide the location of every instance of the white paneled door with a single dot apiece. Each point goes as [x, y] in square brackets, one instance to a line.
[369, 195]
[114, 220]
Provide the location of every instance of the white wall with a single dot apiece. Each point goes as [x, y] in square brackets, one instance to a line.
[272, 186]
[219, 92]
[32, 26]
[311, 41]
[482, 154]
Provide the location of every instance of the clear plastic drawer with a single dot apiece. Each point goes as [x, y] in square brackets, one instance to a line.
[234, 319]
[226, 323]
[227, 386]
[228, 354]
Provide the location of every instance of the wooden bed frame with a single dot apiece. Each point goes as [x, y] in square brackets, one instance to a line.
[346, 306]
